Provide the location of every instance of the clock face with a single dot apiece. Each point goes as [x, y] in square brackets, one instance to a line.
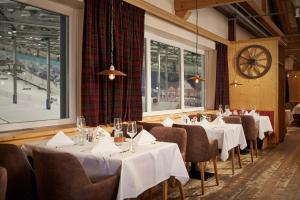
[254, 61]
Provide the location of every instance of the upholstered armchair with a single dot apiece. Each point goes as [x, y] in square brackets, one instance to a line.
[3, 183]
[60, 176]
[149, 125]
[20, 176]
[251, 132]
[174, 135]
[200, 149]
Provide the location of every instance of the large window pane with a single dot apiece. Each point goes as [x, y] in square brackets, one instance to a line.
[33, 64]
[193, 92]
[165, 76]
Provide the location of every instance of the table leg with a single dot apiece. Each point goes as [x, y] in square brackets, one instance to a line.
[165, 189]
[232, 160]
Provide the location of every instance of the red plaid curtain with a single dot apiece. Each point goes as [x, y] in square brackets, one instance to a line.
[222, 79]
[102, 99]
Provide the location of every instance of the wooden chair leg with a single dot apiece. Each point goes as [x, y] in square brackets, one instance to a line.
[150, 193]
[255, 146]
[202, 176]
[165, 189]
[232, 160]
[239, 155]
[216, 170]
[178, 183]
[251, 150]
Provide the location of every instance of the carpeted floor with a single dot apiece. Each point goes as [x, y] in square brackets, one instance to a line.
[275, 174]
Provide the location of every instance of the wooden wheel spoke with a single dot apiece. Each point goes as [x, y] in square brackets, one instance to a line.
[261, 59]
[244, 63]
[245, 58]
[247, 68]
[259, 54]
[256, 70]
[254, 51]
[260, 65]
[249, 71]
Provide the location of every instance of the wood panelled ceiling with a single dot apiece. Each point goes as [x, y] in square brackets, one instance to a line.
[272, 18]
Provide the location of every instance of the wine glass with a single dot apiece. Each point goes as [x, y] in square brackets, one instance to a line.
[80, 123]
[220, 109]
[226, 108]
[131, 131]
[117, 124]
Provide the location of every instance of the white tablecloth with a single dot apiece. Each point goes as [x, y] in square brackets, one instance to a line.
[228, 136]
[150, 165]
[296, 109]
[264, 126]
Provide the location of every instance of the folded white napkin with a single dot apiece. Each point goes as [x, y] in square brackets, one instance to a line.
[235, 112]
[60, 140]
[218, 121]
[144, 137]
[252, 112]
[102, 132]
[227, 113]
[168, 122]
[185, 120]
[105, 146]
[204, 122]
[246, 113]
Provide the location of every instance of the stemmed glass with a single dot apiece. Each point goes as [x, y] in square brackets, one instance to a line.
[118, 134]
[226, 108]
[131, 131]
[80, 123]
[220, 109]
[117, 124]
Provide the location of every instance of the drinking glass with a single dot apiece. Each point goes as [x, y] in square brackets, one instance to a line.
[220, 109]
[131, 131]
[80, 123]
[117, 124]
[226, 107]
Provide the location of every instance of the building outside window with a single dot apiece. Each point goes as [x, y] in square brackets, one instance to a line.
[33, 64]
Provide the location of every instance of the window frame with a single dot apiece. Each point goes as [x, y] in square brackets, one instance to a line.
[151, 36]
[73, 64]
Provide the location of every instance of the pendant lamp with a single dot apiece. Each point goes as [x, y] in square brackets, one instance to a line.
[112, 72]
[197, 78]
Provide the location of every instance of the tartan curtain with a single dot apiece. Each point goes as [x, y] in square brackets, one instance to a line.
[102, 99]
[222, 79]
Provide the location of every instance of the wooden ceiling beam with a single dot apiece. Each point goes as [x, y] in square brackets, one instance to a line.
[181, 5]
[267, 19]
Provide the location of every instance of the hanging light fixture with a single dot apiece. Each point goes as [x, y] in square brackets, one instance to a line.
[235, 83]
[197, 78]
[111, 72]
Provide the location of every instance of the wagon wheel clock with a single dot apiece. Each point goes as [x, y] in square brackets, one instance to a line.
[254, 61]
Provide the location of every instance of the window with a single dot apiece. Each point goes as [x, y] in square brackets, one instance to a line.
[193, 92]
[167, 87]
[165, 76]
[34, 57]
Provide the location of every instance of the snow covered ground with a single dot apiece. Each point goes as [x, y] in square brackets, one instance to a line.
[31, 104]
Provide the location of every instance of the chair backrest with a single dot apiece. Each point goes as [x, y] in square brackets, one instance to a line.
[197, 149]
[20, 175]
[232, 119]
[3, 183]
[249, 126]
[58, 175]
[149, 125]
[168, 134]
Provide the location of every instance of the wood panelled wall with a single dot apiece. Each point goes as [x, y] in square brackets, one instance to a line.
[294, 86]
[261, 93]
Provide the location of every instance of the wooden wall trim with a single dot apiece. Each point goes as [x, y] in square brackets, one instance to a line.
[173, 19]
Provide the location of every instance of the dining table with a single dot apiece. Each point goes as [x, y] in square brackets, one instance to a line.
[150, 165]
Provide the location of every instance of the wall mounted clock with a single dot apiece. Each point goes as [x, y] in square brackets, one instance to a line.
[254, 61]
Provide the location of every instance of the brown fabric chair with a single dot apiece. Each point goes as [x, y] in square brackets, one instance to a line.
[200, 149]
[251, 132]
[20, 176]
[174, 135]
[234, 120]
[3, 183]
[60, 176]
[149, 125]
